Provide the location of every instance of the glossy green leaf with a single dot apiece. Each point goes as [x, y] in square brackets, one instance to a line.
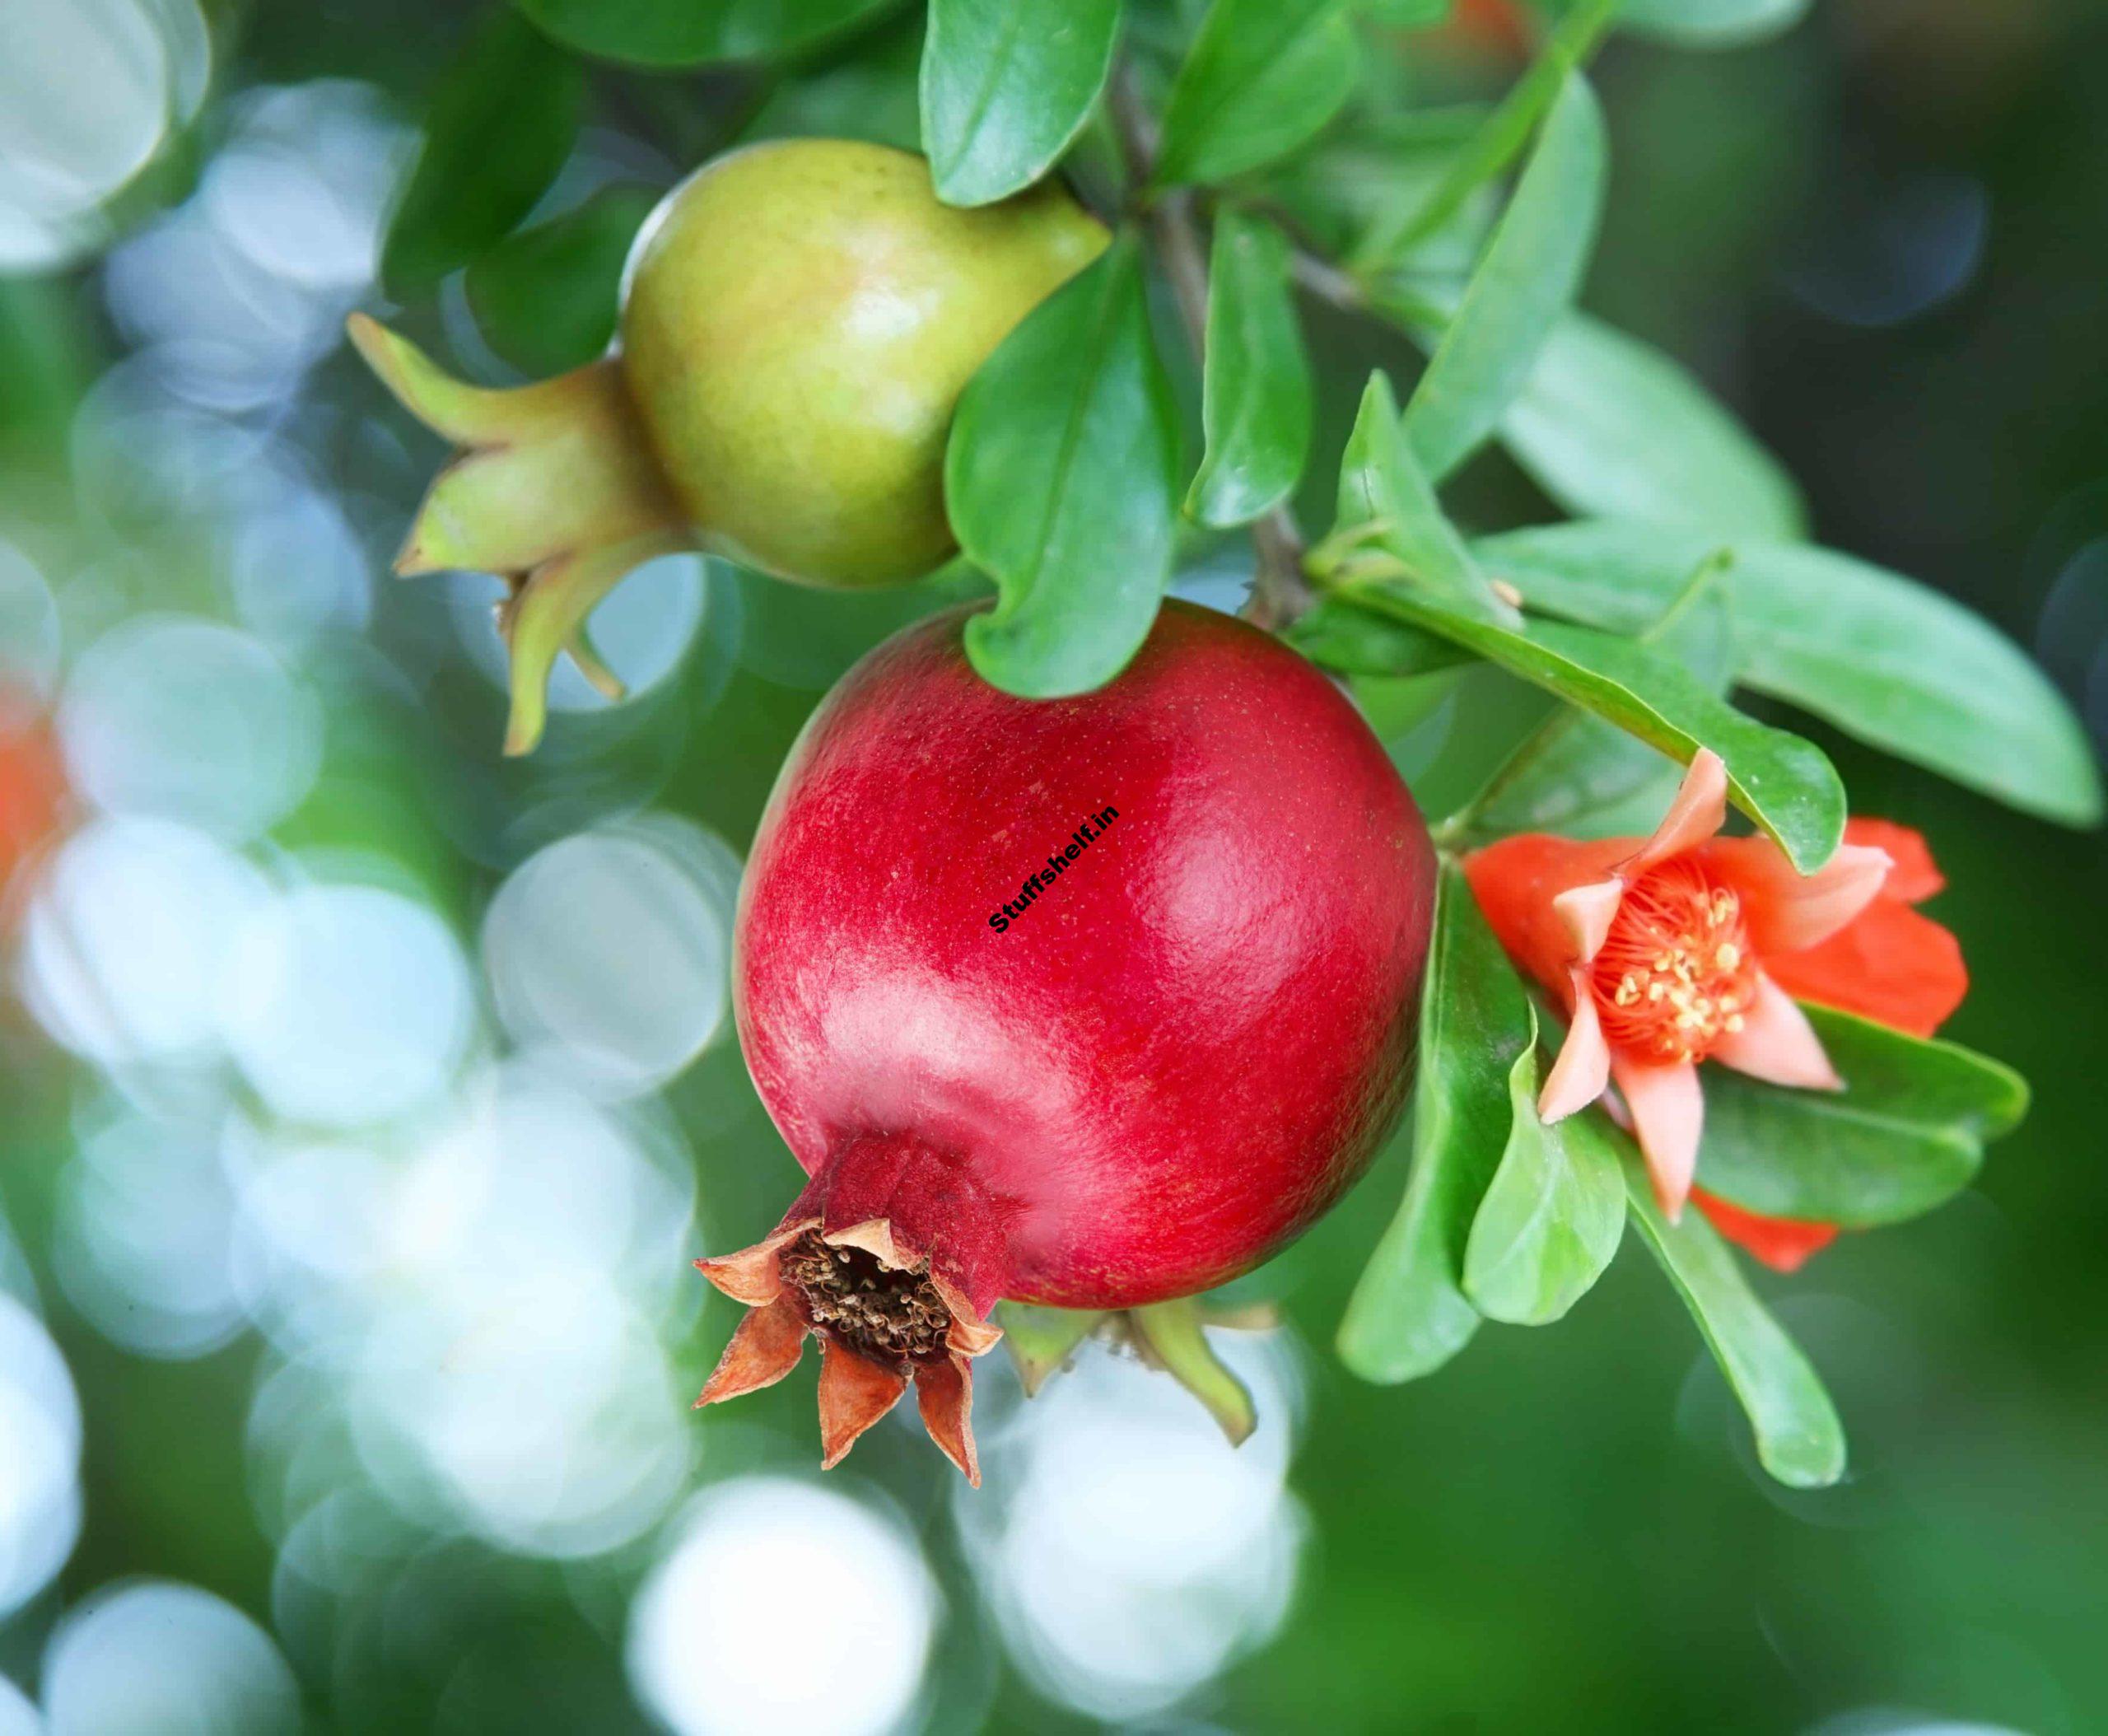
[1406, 14]
[1408, 1315]
[1710, 23]
[1062, 481]
[1352, 642]
[502, 120]
[874, 95]
[1799, 1439]
[1786, 784]
[1387, 502]
[1358, 192]
[1905, 1134]
[1006, 85]
[1885, 660]
[546, 298]
[1552, 1217]
[1582, 778]
[1493, 144]
[681, 33]
[1262, 77]
[1783, 783]
[1255, 391]
[1528, 278]
[1610, 426]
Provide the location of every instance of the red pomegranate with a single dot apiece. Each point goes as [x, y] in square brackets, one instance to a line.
[1089, 1002]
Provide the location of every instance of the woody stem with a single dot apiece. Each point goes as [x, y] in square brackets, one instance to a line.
[1279, 593]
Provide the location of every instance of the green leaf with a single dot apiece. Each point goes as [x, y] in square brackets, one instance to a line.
[546, 298]
[1386, 502]
[1528, 278]
[1413, 14]
[1007, 86]
[1262, 77]
[872, 94]
[1354, 642]
[1256, 392]
[1495, 143]
[1552, 1218]
[1062, 481]
[1711, 23]
[1783, 783]
[1799, 1439]
[1408, 1315]
[1899, 666]
[502, 120]
[1582, 778]
[682, 33]
[1357, 192]
[1606, 425]
[1906, 1134]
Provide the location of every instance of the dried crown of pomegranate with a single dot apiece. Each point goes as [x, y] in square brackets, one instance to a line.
[848, 1265]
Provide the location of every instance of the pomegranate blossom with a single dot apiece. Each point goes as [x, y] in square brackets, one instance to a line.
[1091, 1003]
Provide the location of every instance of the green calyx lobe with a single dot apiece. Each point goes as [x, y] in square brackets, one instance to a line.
[1166, 1336]
[798, 320]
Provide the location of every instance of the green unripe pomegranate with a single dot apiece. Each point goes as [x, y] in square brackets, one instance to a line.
[798, 320]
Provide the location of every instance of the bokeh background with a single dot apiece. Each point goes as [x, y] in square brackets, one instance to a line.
[363, 1098]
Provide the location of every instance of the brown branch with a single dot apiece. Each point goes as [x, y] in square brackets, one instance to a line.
[1279, 592]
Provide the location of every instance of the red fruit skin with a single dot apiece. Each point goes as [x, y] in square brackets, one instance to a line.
[1179, 1055]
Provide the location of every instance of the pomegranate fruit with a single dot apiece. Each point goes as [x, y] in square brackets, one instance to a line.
[798, 320]
[1088, 1002]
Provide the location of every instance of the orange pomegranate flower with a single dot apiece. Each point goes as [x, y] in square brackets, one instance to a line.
[1674, 950]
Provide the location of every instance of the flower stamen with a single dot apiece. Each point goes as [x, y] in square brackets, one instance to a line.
[1675, 973]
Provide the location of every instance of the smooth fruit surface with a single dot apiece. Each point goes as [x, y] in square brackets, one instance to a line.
[799, 319]
[1170, 1059]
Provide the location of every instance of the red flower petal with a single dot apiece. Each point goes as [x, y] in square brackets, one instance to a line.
[1784, 1245]
[1915, 877]
[1783, 909]
[1515, 882]
[1891, 964]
